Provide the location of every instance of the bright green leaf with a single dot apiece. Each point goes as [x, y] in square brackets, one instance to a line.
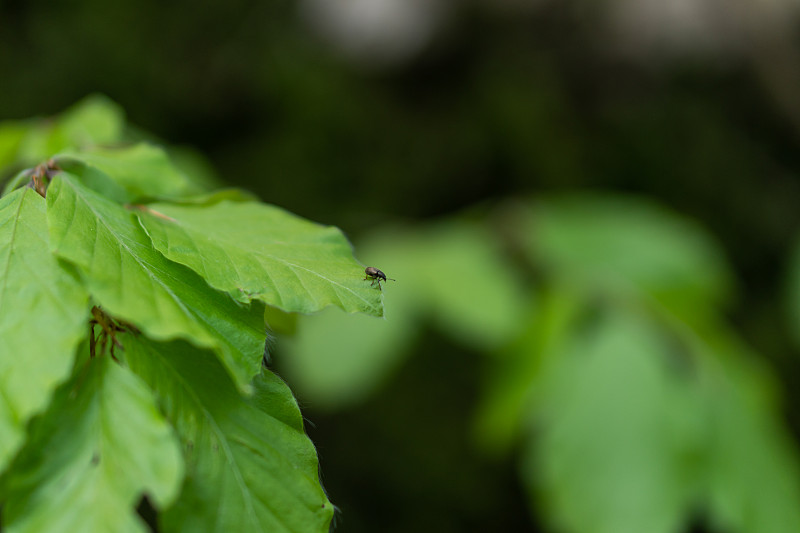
[143, 170]
[43, 316]
[133, 282]
[260, 252]
[100, 447]
[250, 467]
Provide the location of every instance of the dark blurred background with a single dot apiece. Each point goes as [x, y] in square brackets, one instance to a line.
[363, 113]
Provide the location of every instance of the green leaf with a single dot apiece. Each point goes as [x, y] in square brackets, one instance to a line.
[622, 245]
[17, 180]
[12, 132]
[143, 170]
[469, 286]
[260, 252]
[250, 467]
[753, 463]
[514, 377]
[43, 316]
[94, 120]
[133, 282]
[616, 432]
[100, 447]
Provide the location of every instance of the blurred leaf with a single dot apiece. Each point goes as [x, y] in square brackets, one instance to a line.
[753, 463]
[143, 170]
[280, 322]
[621, 246]
[250, 467]
[644, 413]
[472, 290]
[616, 434]
[12, 132]
[231, 195]
[95, 453]
[43, 316]
[94, 120]
[133, 282]
[335, 360]
[195, 166]
[17, 180]
[260, 252]
[514, 378]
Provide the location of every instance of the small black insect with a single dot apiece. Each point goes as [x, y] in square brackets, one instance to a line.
[375, 275]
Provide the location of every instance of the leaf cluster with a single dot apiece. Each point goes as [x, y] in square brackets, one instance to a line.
[133, 309]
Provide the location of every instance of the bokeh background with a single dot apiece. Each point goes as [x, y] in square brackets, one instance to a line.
[590, 208]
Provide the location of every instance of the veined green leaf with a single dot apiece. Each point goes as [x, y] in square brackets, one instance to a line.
[250, 467]
[260, 252]
[100, 447]
[43, 315]
[132, 281]
[143, 170]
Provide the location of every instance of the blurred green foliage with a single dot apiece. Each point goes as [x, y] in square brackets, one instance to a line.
[632, 404]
